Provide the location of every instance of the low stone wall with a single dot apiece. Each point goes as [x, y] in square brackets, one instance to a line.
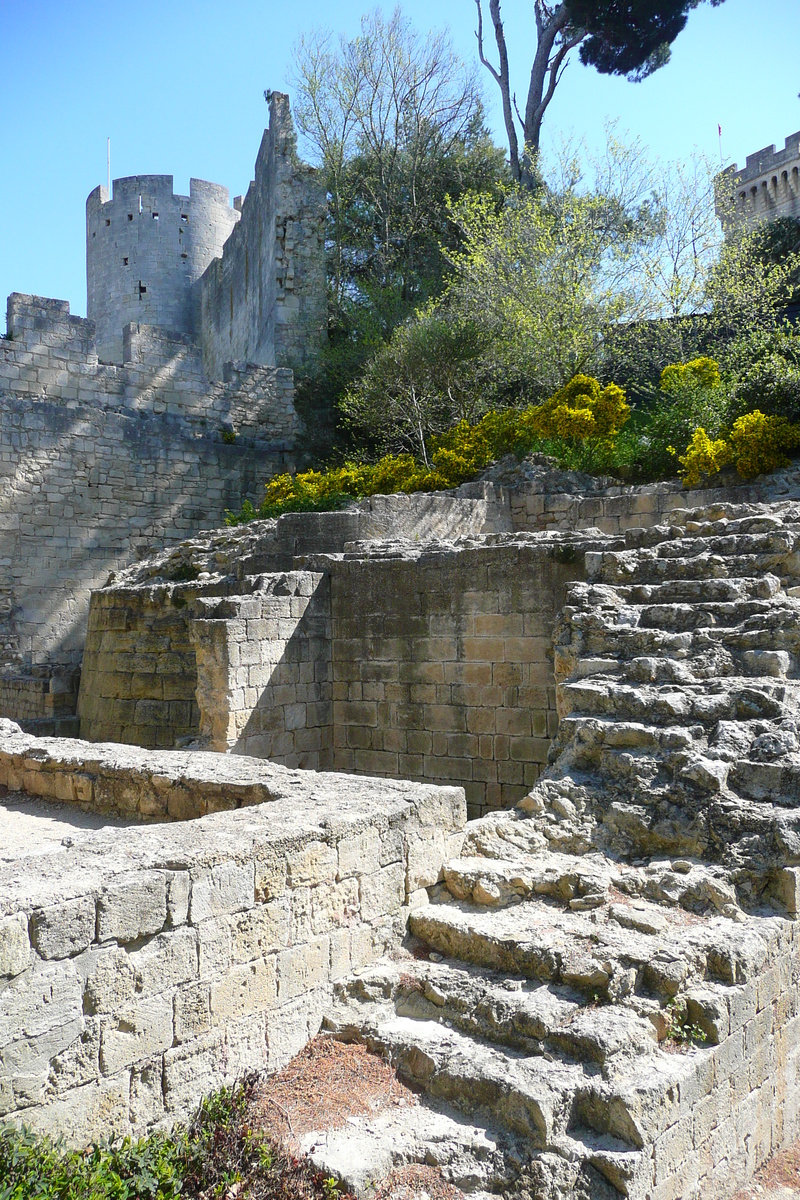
[140, 658]
[432, 664]
[443, 663]
[615, 508]
[264, 671]
[142, 967]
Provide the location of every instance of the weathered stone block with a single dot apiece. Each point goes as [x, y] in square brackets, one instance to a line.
[133, 906]
[65, 929]
[15, 947]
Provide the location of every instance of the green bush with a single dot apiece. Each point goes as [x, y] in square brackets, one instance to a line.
[581, 414]
[691, 395]
[202, 1161]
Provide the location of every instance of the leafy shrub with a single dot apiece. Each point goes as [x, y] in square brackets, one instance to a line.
[703, 457]
[765, 371]
[580, 413]
[208, 1159]
[691, 396]
[757, 443]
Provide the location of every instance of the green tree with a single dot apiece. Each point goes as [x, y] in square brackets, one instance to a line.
[395, 121]
[631, 39]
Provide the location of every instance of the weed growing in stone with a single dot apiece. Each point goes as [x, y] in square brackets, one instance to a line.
[679, 1028]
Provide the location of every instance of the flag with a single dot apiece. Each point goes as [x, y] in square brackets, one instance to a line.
[719, 130]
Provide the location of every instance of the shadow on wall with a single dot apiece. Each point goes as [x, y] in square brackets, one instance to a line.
[85, 493]
[435, 666]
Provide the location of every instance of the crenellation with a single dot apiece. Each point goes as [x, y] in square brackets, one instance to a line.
[766, 188]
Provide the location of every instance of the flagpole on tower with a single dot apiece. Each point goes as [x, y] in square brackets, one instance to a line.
[108, 163]
[719, 132]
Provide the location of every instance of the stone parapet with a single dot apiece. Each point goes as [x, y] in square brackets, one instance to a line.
[140, 968]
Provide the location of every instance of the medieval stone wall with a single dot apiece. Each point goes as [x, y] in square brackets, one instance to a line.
[434, 664]
[264, 299]
[99, 463]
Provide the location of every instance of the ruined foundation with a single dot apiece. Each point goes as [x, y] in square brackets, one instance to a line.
[593, 983]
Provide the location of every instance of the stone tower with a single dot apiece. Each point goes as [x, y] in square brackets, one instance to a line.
[247, 283]
[765, 188]
[146, 248]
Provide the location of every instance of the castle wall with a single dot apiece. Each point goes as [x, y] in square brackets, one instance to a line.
[145, 250]
[100, 463]
[146, 966]
[264, 299]
[767, 187]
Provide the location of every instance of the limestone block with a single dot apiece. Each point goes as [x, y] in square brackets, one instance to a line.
[78, 1063]
[135, 1031]
[303, 968]
[41, 1009]
[383, 892]
[110, 979]
[65, 929]
[359, 853]
[214, 946]
[334, 905]
[166, 961]
[259, 931]
[132, 906]
[15, 948]
[226, 888]
[79, 1114]
[314, 863]
[245, 989]
[192, 1011]
[193, 1070]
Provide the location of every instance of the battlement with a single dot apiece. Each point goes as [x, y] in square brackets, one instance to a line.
[46, 322]
[767, 187]
[146, 247]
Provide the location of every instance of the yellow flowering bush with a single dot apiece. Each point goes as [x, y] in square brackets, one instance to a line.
[581, 410]
[703, 457]
[756, 444]
[698, 372]
[759, 443]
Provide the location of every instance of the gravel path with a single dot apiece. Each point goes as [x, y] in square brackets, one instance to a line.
[30, 826]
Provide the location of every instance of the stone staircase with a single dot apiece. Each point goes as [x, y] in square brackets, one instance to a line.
[600, 999]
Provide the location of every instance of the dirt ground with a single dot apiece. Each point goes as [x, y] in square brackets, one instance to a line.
[30, 826]
[329, 1082]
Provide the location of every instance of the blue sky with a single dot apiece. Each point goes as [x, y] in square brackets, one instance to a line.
[178, 88]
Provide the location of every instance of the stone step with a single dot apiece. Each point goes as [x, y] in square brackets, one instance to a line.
[497, 882]
[478, 1157]
[508, 1011]
[693, 591]
[629, 567]
[563, 1130]
[735, 699]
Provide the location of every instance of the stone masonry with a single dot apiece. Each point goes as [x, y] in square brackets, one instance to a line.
[141, 968]
[767, 187]
[172, 403]
[541, 975]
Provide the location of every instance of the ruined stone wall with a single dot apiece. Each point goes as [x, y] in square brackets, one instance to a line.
[432, 664]
[99, 463]
[141, 968]
[613, 508]
[264, 671]
[264, 299]
[443, 665]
